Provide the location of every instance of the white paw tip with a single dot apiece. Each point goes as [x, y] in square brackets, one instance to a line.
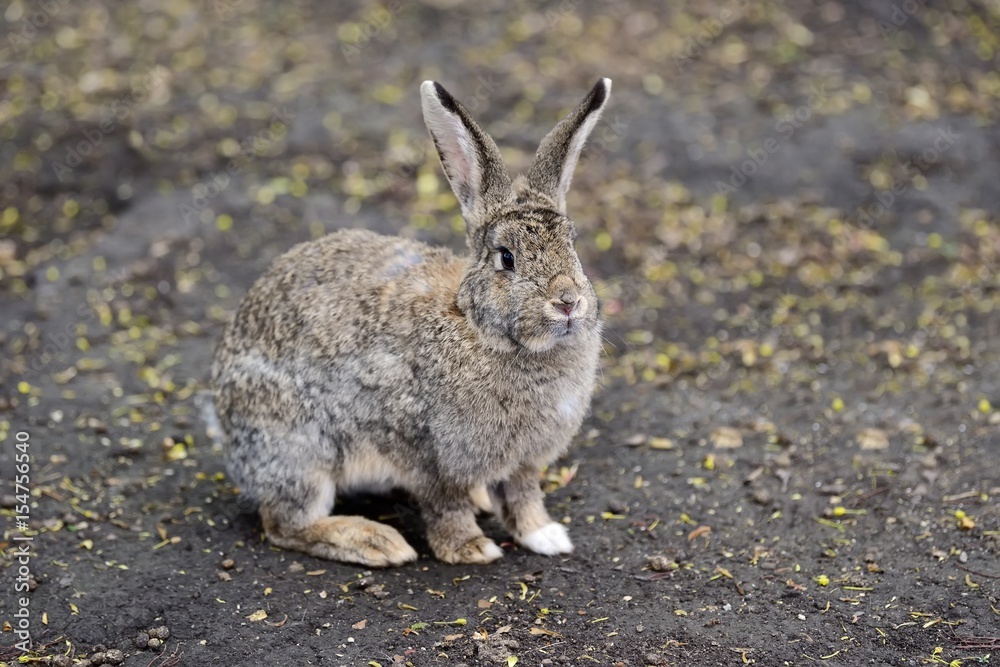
[549, 540]
[408, 555]
[492, 552]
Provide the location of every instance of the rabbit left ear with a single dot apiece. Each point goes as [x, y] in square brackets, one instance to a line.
[471, 159]
[551, 170]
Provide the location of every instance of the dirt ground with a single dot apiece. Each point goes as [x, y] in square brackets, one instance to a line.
[789, 212]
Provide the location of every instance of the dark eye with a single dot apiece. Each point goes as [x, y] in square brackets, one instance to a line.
[506, 258]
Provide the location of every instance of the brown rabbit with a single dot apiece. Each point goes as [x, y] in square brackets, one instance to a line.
[361, 362]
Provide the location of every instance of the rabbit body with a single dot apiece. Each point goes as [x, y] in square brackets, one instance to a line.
[360, 362]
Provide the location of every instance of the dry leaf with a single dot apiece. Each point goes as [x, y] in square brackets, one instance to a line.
[535, 630]
[726, 437]
[661, 443]
[360, 625]
[258, 615]
[635, 440]
[698, 532]
[873, 438]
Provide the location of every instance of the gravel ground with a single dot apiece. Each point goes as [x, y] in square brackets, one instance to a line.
[789, 212]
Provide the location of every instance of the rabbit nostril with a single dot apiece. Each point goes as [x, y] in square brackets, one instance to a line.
[566, 306]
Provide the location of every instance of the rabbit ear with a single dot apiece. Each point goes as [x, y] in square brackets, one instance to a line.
[552, 168]
[470, 158]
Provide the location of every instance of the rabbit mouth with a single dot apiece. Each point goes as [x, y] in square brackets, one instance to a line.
[566, 328]
[553, 333]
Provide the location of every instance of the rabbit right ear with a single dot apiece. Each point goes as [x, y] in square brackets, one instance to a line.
[471, 160]
[552, 169]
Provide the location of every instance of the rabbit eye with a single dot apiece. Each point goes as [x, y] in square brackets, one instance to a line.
[505, 259]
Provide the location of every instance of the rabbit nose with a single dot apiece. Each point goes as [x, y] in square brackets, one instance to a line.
[567, 303]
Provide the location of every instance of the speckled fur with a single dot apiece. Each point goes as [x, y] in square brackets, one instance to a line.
[361, 361]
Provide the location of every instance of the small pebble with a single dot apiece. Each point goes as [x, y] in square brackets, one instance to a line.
[114, 656]
[142, 640]
[228, 564]
[661, 563]
[98, 658]
[163, 632]
[154, 643]
[62, 661]
[618, 506]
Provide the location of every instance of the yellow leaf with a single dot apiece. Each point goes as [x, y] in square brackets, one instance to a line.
[258, 615]
[87, 544]
[511, 660]
[176, 452]
[73, 608]
[661, 443]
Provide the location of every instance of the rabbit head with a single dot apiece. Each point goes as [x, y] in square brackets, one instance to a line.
[524, 285]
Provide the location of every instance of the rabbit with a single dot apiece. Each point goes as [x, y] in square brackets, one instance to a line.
[360, 362]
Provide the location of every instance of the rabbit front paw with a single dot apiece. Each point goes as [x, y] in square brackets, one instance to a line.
[477, 551]
[549, 540]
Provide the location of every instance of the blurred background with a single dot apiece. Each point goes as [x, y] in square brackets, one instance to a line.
[789, 211]
[773, 181]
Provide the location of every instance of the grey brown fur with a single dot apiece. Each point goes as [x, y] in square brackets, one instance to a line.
[361, 362]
